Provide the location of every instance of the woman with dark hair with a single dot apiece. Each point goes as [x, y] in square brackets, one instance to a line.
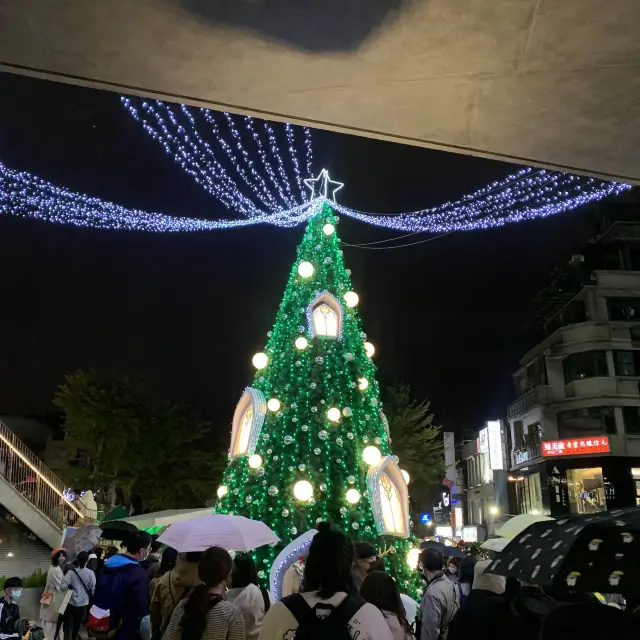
[327, 603]
[380, 589]
[246, 594]
[465, 577]
[204, 615]
[55, 575]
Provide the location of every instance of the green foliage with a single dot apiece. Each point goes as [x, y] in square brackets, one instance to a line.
[415, 440]
[139, 443]
[36, 579]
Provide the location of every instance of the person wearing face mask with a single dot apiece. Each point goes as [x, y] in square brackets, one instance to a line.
[122, 592]
[366, 556]
[9, 609]
[452, 569]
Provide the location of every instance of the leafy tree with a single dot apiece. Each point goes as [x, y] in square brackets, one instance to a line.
[415, 440]
[140, 444]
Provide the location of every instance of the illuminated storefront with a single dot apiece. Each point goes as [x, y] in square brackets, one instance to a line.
[577, 476]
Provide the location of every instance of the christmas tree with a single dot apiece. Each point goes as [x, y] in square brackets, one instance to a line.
[310, 441]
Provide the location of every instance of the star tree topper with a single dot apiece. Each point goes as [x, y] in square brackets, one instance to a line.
[322, 185]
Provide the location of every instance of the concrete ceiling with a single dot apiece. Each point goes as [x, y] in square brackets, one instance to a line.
[549, 82]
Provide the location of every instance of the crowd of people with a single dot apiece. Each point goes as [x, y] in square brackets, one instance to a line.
[345, 594]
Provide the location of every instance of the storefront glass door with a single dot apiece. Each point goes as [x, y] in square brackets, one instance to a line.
[586, 490]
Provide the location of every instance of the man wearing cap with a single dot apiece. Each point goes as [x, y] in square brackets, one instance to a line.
[365, 556]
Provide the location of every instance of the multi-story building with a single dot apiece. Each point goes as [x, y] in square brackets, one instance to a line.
[575, 427]
[486, 481]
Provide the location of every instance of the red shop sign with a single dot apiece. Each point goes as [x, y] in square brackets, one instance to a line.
[575, 446]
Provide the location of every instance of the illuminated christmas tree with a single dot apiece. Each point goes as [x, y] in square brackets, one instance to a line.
[310, 441]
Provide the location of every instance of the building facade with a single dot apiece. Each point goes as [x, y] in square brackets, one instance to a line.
[575, 427]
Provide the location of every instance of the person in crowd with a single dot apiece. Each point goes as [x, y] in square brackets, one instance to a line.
[588, 621]
[55, 575]
[532, 605]
[292, 579]
[122, 589]
[110, 552]
[465, 578]
[95, 560]
[380, 589]
[9, 609]
[440, 601]
[452, 570]
[170, 588]
[486, 612]
[366, 556]
[83, 583]
[326, 606]
[247, 595]
[151, 563]
[204, 614]
[168, 562]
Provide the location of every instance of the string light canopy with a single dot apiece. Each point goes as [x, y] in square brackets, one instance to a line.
[259, 172]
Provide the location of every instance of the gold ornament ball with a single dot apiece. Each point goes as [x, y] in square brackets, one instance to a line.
[303, 491]
[260, 360]
[371, 455]
[353, 496]
[351, 298]
[305, 269]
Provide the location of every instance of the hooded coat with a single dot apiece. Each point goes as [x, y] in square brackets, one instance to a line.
[123, 589]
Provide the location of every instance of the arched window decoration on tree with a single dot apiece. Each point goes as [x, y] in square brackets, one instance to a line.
[389, 498]
[247, 422]
[324, 316]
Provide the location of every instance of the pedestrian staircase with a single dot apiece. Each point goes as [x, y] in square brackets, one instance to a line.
[32, 493]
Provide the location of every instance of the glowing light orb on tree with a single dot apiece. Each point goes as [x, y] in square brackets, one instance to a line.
[301, 343]
[333, 414]
[255, 461]
[369, 349]
[305, 269]
[303, 491]
[328, 229]
[371, 455]
[260, 360]
[353, 496]
[273, 404]
[351, 298]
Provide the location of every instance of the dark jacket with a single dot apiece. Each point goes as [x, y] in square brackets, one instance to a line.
[123, 589]
[484, 614]
[9, 617]
[533, 606]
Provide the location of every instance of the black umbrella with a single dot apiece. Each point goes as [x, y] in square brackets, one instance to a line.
[433, 544]
[453, 552]
[117, 530]
[599, 552]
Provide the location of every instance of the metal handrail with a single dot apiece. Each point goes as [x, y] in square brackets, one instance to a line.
[30, 477]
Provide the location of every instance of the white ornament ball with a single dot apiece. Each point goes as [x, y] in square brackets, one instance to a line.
[351, 298]
[355, 525]
[305, 269]
[294, 531]
[273, 404]
[317, 451]
[255, 461]
[285, 513]
[347, 412]
[363, 384]
[301, 467]
[301, 343]
[350, 435]
[260, 360]
[305, 427]
[333, 414]
[369, 349]
[288, 439]
[374, 402]
[328, 229]
[323, 487]
[339, 441]
[351, 479]
[353, 496]
[222, 491]
[343, 511]
[405, 475]
[248, 499]
[371, 455]
[273, 490]
[261, 574]
[348, 357]
[322, 434]
[396, 459]
[303, 490]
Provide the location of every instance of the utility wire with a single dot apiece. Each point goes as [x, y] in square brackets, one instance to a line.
[400, 246]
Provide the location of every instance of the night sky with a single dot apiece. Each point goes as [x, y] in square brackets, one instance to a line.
[188, 311]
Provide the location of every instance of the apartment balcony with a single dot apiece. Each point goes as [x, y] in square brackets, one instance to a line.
[537, 395]
[526, 455]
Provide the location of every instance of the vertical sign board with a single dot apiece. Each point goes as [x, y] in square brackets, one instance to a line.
[483, 441]
[494, 433]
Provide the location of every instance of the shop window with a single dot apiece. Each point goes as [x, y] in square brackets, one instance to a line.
[587, 364]
[631, 419]
[590, 421]
[529, 492]
[623, 309]
[635, 472]
[586, 490]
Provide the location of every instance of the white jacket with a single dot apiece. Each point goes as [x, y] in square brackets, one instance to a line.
[250, 601]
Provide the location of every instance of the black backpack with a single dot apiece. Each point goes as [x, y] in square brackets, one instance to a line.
[324, 621]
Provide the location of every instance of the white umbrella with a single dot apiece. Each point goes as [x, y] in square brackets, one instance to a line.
[235, 533]
[495, 544]
[511, 528]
